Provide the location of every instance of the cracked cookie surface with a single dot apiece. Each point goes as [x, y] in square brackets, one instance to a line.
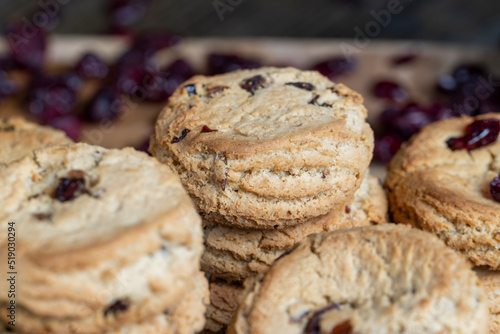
[447, 191]
[106, 237]
[490, 280]
[235, 254]
[266, 148]
[18, 138]
[378, 279]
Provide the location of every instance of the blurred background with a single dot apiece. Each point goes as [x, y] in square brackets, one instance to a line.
[445, 20]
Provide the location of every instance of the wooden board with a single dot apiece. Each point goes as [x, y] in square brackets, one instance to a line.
[374, 63]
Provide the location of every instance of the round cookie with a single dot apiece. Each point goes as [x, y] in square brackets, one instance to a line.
[490, 280]
[188, 317]
[266, 148]
[234, 254]
[18, 138]
[104, 238]
[446, 191]
[378, 279]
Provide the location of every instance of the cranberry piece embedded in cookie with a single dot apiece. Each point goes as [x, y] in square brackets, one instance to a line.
[212, 91]
[343, 328]
[253, 84]
[477, 134]
[181, 137]
[390, 90]
[312, 326]
[120, 305]
[301, 85]
[69, 188]
[495, 188]
[206, 129]
[90, 66]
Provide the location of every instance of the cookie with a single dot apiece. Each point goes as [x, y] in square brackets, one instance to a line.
[224, 300]
[235, 254]
[188, 317]
[438, 187]
[105, 238]
[490, 280]
[18, 138]
[378, 279]
[266, 148]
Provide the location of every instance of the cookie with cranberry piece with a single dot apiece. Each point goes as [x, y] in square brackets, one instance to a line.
[442, 181]
[105, 238]
[490, 280]
[266, 148]
[18, 138]
[377, 279]
[234, 254]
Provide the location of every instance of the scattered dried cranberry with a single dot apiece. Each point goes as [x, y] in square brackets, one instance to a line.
[27, 45]
[181, 137]
[49, 99]
[69, 188]
[120, 305]
[312, 326]
[343, 328]
[223, 184]
[495, 188]
[107, 104]
[477, 134]
[386, 147]
[125, 12]
[334, 67]
[301, 85]
[160, 85]
[156, 41]
[70, 124]
[390, 90]
[468, 73]
[90, 66]
[221, 63]
[253, 84]
[403, 59]
[206, 129]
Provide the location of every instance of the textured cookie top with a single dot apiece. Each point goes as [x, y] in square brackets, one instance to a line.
[268, 108]
[490, 280]
[79, 204]
[447, 191]
[18, 138]
[379, 279]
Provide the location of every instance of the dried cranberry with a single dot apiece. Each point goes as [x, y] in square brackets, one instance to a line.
[70, 124]
[27, 44]
[312, 326]
[50, 100]
[403, 59]
[121, 305]
[221, 63]
[155, 41]
[343, 328]
[477, 134]
[467, 73]
[386, 147]
[495, 188]
[90, 66]
[181, 137]
[159, 86]
[252, 84]
[212, 91]
[334, 67]
[126, 12]
[69, 188]
[301, 85]
[490, 104]
[144, 147]
[390, 90]
[206, 129]
[107, 104]
[7, 63]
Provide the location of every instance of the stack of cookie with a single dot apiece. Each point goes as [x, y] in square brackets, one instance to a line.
[269, 156]
[445, 180]
[103, 241]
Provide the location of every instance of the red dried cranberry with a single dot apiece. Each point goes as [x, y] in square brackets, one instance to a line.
[467, 72]
[312, 326]
[70, 124]
[343, 328]
[386, 147]
[181, 137]
[490, 104]
[126, 12]
[477, 134]
[221, 63]
[69, 188]
[121, 305]
[27, 44]
[301, 85]
[159, 86]
[50, 101]
[206, 129]
[107, 104]
[403, 59]
[130, 70]
[495, 188]
[334, 67]
[390, 90]
[155, 41]
[90, 66]
[252, 84]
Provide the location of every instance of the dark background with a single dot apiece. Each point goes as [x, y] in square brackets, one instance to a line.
[465, 21]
